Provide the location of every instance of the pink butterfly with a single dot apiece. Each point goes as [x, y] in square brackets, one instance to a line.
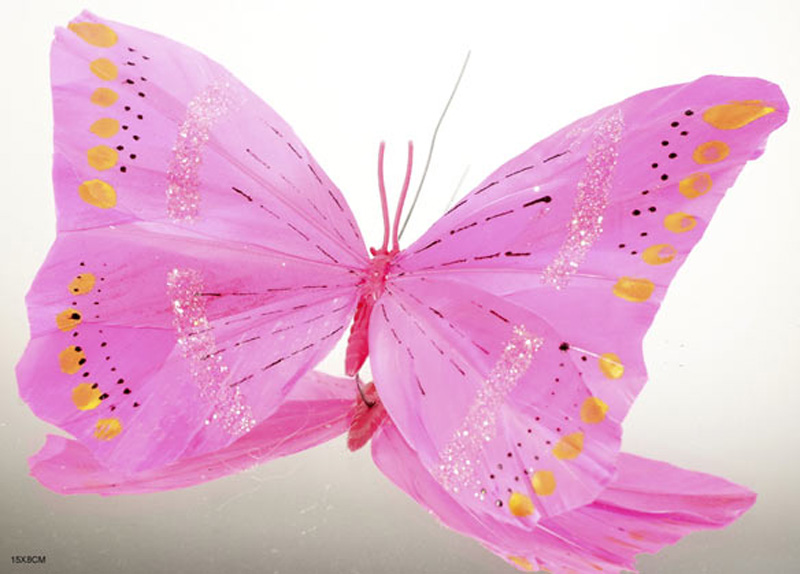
[205, 264]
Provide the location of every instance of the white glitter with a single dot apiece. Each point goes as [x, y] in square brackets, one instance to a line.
[591, 202]
[183, 190]
[197, 343]
[480, 424]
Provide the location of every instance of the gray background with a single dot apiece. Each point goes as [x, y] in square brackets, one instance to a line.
[723, 358]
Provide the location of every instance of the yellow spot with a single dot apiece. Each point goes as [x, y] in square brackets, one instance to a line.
[86, 396]
[735, 115]
[679, 222]
[68, 319]
[659, 254]
[106, 429]
[82, 284]
[543, 482]
[104, 69]
[611, 366]
[520, 505]
[522, 562]
[71, 359]
[105, 127]
[711, 152]
[637, 535]
[695, 185]
[634, 289]
[102, 157]
[98, 193]
[95, 34]
[593, 410]
[569, 447]
[104, 97]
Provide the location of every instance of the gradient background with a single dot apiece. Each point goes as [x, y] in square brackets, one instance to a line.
[723, 353]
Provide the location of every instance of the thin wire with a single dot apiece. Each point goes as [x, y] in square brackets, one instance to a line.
[458, 187]
[384, 204]
[409, 163]
[433, 143]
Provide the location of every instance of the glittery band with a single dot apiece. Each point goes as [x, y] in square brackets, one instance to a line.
[197, 343]
[460, 456]
[183, 191]
[591, 201]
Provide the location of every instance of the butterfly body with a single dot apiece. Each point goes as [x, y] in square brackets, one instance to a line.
[191, 291]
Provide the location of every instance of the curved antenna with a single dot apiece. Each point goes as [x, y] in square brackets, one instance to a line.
[384, 205]
[409, 162]
[433, 143]
[360, 387]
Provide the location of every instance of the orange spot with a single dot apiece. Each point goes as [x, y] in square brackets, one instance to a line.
[104, 69]
[659, 254]
[86, 396]
[102, 157]
[634, 289]
[521, 562]
[611, 366]
[68, 319]
[105, 127]
[735, 115]
[104, 97]
[593, 410]
[679, 222]
[71, 359]
[98, 193]
[520, 505]
[106, 429]
[711, 152]
[569, 447]
[695, 185]
[543, 482]
[94, 33]
[82, 284]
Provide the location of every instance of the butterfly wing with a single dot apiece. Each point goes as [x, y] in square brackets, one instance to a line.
[648, 505]
[588, 227]
[204, 261]
[317, 410]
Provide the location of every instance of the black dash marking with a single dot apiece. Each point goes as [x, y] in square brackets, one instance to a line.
[462, 228]
[341, 308]
[315, 173]
[454, 262]
[250, 340]
[458, 368]
[336, 201]
[520, 254]
[296, 307]
[277, 133]
[258, 159]
[278, 289]
[519, 171]
[282, 329]
[545, 199]
[485, 187]
[437, 312]
[272, 364]
[385, 316]
[501, 214]
[421, 330]
[303, 235]
[428, 246]
[314, 287]
[317, 318]
[410, 354]
[332, 333]
[437, 347]
[272, 213]
[419, 385]
[298, 351]
[480, 348]
[242, 380]
[294, 150]
[326, 254]
[498, 315]
[552, 157]
[456, 206]
[492, 256]
[396, 338]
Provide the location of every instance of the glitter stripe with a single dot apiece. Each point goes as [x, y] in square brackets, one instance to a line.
[183, 191]
[197, 343]
[591, 202]
[480, 425]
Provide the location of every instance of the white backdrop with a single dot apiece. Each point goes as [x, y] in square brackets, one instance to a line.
[723, 396]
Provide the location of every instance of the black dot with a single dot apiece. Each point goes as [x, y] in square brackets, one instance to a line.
[124, 127]
[141, 94]
[126, 392]
[129, 63]
[94, 386]
[621, 246]
[104, 396]
[499, 466]
[127, 108]
[136, 138]
[123, 169]
[146, 57]
[634, 252]
[636, 212]
[564, 346]
[509, 455]
[689, 112]
[558, 429]
[135, 404]
[665, 143]
[675, 124]
[113, 408]
[519, 444]
[530, 431]
[131, 49]
[673, 155]
[103, 344]
[78, 349]
[128, 81]
[75, 316]
[75, 334]
[120, 148]
[120, 381]
[499, 503]
[133, 156]
[684, 133]
[140, 117]
[652, 209]
[655, 165]
[583, 358]
[645, 192]
[643, 234]
[491, 476]
[516, 478]
[143, 79]
[664, 177]
[537, 418]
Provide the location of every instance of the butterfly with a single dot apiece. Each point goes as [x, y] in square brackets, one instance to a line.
[205, 264]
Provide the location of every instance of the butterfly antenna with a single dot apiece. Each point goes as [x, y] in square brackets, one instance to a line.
[433, 143]
[384, 205]
[398, 213]
[360, 387]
